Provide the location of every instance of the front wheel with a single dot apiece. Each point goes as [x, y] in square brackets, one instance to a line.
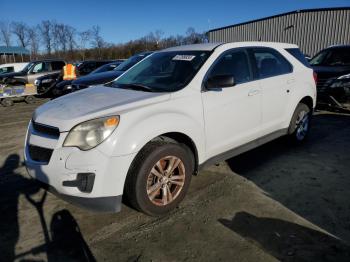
[159, 177]
[300, 124]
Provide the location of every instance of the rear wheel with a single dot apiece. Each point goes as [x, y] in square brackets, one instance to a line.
[29, 99]
[7, 102]
[159, 177]
[300, 124]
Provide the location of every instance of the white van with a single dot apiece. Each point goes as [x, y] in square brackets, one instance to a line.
[14, 67]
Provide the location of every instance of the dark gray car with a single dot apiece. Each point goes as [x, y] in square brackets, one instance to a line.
[33, 71]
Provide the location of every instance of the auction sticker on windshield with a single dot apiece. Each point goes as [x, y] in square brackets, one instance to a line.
[184, 57]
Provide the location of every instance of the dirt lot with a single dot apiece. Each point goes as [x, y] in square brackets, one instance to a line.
[277, 202]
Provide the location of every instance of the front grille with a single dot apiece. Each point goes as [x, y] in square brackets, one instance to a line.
[46, 130]
[40, 154]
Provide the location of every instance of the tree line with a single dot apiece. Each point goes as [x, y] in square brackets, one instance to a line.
[50, 38]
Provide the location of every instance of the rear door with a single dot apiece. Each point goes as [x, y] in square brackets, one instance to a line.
[232, 115]
[276, 79]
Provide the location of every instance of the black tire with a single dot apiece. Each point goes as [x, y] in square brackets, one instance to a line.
[138, 176]
[29, 99]
[300, 124]
[7, 102]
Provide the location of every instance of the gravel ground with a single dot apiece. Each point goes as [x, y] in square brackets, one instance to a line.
[277, 202]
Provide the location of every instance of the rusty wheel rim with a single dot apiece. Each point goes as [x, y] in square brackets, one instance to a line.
[165, 180]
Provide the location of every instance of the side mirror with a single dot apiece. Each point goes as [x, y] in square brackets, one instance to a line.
[220, 81]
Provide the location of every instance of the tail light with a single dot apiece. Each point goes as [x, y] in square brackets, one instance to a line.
[315, 77]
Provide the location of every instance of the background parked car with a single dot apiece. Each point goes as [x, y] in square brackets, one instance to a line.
[46, 83]
[32, 71]
[13, 67]
[332, 66]
[83, 68]
[99, 78]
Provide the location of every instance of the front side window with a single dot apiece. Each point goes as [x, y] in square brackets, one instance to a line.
[233, 63]
[39, 68]
[270, 63]
[163, 71]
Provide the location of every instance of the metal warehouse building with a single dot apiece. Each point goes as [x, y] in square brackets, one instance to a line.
[311, 29]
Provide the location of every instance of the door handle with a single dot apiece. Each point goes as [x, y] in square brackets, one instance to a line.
[253, 92]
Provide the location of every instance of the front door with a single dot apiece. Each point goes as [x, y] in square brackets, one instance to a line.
[40, 69]
[232, 115]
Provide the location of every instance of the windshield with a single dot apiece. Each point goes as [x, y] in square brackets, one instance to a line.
[105, 68]
[164, 71]
[332, 57]
[28, 67]
[130, 62]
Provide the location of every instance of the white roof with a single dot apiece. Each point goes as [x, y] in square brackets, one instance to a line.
[13, 64]
[211, 46]
[195, 47]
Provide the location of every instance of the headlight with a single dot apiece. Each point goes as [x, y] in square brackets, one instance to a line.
[91, 133]
[37, 82]
[341, 81]
[344, 77]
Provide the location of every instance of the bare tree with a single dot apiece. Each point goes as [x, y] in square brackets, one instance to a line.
[57, 42]
[33, 41]
[84, 38]
[20, 30]
[46, 35]
[70, 33]
[96, 39]
[192, 37]
[5, 33]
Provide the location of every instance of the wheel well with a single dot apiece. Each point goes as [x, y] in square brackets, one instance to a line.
[182, 139]
[307, 100]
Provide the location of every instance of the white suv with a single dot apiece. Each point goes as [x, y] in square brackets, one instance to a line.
[145, 134]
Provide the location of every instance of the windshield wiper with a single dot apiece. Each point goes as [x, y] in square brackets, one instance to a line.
[136, 86]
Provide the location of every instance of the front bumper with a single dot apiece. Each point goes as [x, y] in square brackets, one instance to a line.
[96, 204]
[61, 171]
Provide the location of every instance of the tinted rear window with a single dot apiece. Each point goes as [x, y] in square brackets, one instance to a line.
[57, 65]
[8, 69]
[298, 55]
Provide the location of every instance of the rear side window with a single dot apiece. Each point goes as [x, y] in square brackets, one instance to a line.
[270, 63]
[57, 65]
[8, 69]
[233, 63]
[298, 55]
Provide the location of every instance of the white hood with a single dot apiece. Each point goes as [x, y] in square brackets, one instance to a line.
[70, 110]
